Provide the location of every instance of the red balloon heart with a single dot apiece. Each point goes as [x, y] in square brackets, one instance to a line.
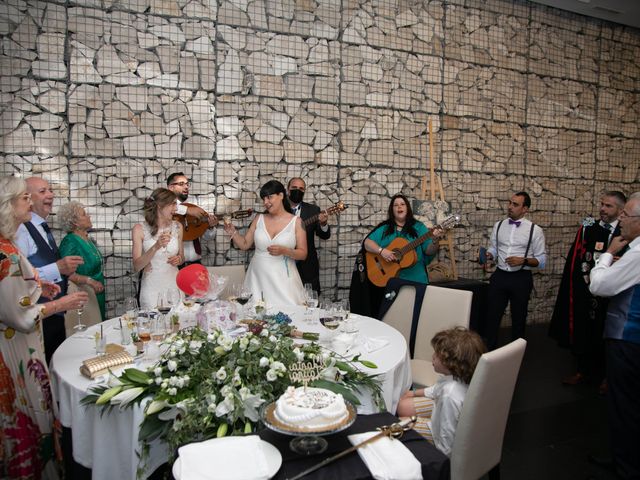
[193, 280]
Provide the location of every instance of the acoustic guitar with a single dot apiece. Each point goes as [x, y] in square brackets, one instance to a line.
[334, 210]
[194, 227]
[380, 271]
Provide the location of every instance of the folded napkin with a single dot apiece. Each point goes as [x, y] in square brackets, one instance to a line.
[370, 345]
[387, 458]
[240, 458]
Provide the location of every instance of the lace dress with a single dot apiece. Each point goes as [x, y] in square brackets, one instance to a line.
[158, 275]
[274, 277]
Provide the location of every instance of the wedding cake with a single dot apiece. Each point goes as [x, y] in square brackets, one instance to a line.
[311, 409]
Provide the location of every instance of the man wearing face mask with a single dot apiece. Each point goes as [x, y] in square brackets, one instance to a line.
[310, 267]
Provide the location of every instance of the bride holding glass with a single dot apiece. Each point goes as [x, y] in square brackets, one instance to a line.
[157, 246]
[280, 240]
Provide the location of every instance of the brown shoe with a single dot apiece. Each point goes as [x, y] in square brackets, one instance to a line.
[574, 379]
[603, 388]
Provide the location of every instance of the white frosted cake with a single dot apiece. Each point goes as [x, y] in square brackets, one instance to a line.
[311, 409]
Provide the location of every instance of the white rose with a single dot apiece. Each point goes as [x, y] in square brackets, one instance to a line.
[172, 365]
[271, 375]
[172, 391]
[157, 371]
[221, 374]
[264, 362]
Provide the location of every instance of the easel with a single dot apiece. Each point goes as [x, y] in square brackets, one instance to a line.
[440, 269]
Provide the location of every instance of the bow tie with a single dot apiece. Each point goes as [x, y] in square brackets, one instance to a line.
[515, 222]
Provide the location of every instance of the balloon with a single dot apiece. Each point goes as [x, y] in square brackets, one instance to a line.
[193, 280]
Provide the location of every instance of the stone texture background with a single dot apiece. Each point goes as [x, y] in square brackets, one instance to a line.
[105, 98]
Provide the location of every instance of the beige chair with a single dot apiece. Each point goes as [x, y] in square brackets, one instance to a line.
[400, 313]
[234, 273]
[442, 308]
[477, 447]
[90, 314]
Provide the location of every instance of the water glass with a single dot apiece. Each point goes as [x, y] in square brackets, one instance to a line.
[125, 332]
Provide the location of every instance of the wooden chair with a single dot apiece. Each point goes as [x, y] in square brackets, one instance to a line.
[90, 314]
[442, 308]
[477, 446]
[234, 273]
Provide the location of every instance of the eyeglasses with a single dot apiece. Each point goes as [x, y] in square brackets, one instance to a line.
[623, 214]
[181, 184]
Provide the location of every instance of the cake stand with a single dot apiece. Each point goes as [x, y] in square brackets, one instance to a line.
[305, 441]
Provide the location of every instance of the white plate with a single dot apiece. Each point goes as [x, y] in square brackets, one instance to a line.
[271, 455]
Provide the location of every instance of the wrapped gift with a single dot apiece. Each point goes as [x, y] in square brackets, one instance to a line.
[217, 315]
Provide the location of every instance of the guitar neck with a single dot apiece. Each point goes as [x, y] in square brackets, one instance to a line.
[415, 243]
[310, 220]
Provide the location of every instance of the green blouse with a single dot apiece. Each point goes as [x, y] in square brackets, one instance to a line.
[73, 244]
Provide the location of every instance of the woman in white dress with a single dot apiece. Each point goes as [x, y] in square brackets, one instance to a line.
[157, 247]
[280, 240]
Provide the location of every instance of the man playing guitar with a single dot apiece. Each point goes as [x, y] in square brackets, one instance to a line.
[179, 184]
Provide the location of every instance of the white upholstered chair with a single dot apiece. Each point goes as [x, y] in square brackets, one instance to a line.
[400, 313]
[234, 273]
[442, 308]
[477, 447]
[90, 313]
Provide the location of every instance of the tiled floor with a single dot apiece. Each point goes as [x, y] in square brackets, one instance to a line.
[552, 427]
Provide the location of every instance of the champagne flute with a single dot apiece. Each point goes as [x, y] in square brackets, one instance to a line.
[80, 327]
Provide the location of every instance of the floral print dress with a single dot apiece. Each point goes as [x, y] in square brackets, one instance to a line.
[27, 407]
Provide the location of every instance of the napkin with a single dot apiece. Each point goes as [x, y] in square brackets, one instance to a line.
[370, 345]
[240, 458]
[387, 458]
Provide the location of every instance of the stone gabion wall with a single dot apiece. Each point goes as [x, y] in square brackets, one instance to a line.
[105, 99]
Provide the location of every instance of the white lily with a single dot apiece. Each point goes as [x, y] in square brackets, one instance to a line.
[156, 406]
[127, 396]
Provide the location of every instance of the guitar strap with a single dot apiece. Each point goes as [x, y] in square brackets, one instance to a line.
[526, 252]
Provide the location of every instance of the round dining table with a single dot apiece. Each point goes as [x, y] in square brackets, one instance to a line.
[107, 441]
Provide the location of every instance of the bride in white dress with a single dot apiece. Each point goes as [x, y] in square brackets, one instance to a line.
[280, 240]
[157, 247]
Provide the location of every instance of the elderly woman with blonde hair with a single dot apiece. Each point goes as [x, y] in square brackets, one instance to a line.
[74, 219]
[27, 406]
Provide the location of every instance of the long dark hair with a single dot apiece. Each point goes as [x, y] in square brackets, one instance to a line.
[160, 198]
[272, 187]
[408, 227]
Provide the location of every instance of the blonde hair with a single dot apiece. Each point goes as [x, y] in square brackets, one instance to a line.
[160, 198]
[68, 215]
[10, 189]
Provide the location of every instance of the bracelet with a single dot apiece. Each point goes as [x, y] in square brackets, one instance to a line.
[233, 234]
[380, 251]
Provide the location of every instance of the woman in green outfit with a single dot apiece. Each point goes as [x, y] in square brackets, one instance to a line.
[74, 219]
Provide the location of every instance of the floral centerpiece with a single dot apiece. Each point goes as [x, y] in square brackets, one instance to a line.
[208, 384]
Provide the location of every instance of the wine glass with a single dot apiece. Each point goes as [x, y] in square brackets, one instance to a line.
[130, 310]
[80, 327]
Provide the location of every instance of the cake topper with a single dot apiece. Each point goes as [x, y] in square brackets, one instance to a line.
[305, 372]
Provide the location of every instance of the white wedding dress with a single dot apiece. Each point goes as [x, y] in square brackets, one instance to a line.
[158, 275]
[274, 277]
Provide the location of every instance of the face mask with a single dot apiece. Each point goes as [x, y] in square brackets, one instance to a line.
[296, 195]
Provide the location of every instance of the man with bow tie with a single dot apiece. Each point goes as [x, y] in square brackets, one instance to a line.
[36, 242]
[517, 245]
[578, 317]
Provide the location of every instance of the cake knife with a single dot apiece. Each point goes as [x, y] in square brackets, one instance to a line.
[395, 430]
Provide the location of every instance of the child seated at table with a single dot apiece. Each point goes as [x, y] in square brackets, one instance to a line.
[456, 354]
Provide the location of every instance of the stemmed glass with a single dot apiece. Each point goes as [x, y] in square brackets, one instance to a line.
[80, 327]
[130, 310]
[311, 301]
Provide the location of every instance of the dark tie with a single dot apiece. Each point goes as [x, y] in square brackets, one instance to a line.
[515, 222]
[197, 247]
[50, 239]
[607, 227]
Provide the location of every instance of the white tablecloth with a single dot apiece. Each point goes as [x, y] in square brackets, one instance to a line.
[107, 442]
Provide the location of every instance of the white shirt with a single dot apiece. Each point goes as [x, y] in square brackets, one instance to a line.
[609, 279]
[28, 247]
[190, 254]
[513, 241]
[448, 395]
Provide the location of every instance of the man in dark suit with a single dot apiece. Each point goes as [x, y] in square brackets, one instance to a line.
[36, 242]
[310, 268]
[578, 317]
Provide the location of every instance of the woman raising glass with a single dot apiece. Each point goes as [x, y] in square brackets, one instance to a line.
[280, 240]
[27, 413]
[157, 247]
[74, 220]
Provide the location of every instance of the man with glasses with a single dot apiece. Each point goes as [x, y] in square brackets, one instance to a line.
[517, 245]
[578, 316]
[620, 281]
[309, 268]
[179, 184]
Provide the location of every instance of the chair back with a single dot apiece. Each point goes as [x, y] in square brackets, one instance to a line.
[400, 313]
[234, 273]
[442, 308]
[90, 313]
[477, 446]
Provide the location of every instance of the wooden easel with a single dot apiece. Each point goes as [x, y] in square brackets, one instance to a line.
[447, 271]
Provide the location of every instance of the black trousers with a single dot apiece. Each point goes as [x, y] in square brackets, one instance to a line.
[507, 287]
[623, 405]
[53, 333]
